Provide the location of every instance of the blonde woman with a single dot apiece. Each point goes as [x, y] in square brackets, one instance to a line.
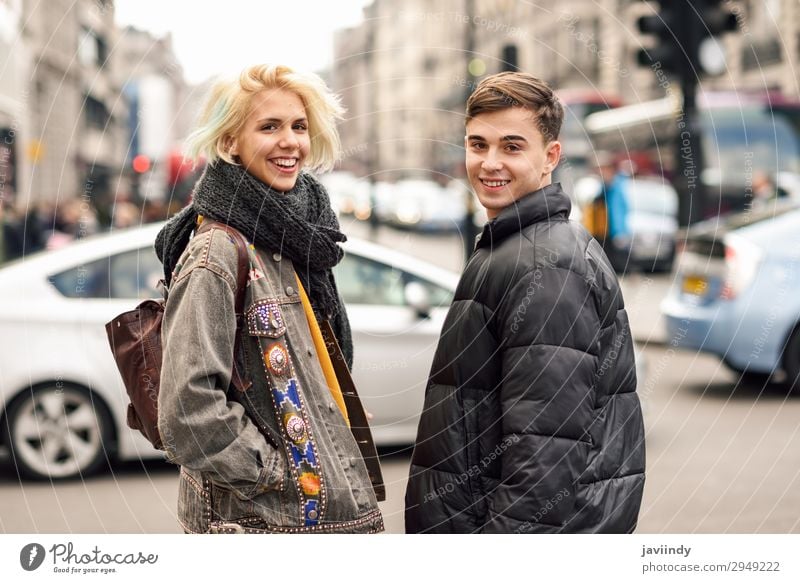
[253, 414]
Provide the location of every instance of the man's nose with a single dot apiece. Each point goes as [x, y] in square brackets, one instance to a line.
[491, 163]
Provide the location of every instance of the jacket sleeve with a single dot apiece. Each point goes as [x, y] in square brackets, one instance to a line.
[548, 326]
[201, 429]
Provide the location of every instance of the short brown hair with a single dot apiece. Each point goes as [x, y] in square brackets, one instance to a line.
[514, 89]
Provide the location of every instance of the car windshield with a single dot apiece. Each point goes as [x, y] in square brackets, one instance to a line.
[739, 141]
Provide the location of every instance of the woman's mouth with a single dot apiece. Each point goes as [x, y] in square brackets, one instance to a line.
[285, 165]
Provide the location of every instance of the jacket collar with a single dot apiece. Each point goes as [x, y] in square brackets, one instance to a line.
[544, 204]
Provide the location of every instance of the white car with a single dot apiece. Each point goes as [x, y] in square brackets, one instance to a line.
[62, 401]
[422, 205]
[349, 194]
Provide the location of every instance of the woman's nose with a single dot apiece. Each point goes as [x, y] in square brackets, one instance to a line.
[288, 139]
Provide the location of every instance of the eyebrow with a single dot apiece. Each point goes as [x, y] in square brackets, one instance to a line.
[511, 138]
[278, 120]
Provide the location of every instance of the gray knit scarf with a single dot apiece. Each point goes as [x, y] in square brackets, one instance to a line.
[298, 224]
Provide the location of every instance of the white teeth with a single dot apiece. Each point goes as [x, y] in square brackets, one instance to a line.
[284, 162]
[495, 183]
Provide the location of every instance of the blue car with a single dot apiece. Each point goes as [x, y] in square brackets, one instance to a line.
[737, 293]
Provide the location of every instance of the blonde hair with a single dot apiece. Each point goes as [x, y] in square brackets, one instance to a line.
[229, 103]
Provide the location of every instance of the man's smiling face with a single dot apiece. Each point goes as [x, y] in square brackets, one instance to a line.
[507, 157]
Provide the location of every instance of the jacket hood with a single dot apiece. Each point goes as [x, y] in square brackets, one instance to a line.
[550, 202]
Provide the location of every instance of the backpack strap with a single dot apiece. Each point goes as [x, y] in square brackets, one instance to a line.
[238, 378]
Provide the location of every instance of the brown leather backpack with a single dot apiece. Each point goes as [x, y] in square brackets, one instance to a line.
[135, 340]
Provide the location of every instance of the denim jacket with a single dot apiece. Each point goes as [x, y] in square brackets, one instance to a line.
[277, 456]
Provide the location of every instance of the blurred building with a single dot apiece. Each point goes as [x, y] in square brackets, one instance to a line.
[396, 73]
[155, 89]
[12, 104]
[76, 119]
[403, 72]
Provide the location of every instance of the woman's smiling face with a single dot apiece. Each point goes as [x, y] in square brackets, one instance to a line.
[274, 141]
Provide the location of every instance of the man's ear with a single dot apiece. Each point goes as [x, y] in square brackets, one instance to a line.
[553, 156]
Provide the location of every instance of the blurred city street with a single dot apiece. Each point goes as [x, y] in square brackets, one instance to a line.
[722, 457]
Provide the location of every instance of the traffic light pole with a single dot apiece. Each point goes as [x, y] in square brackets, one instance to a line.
[680, 27]
[469, 230]
[689, 152]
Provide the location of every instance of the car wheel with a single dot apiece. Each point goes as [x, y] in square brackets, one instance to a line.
[753, 379]
[57, 431]
[663, 266]
[791, 362]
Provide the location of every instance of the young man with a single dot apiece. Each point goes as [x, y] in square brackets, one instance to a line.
[531, 420]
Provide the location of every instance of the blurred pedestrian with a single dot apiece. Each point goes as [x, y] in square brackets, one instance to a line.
[3, 244]
[276, 453]
[531, 421]
[125, 213]
[469, 230]
[20, 233]
[619, 235]
[595, 212]
[74, 219]
[765, 190]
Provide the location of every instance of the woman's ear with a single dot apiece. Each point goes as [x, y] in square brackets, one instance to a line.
[231, 145]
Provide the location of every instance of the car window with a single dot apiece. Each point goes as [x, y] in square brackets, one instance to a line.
[129, 275]
[135, 274]
[365, 281]
[85, 281]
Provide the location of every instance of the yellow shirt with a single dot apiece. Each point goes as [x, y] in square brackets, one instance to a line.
[322, 353]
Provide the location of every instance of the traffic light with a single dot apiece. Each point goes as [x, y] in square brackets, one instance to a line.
[508, 58]
[668, 26]
[716, 16]
[716, 20]
[686, 48]
[140, 164]
[686, 34]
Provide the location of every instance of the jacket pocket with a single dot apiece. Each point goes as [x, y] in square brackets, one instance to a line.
[264, 318]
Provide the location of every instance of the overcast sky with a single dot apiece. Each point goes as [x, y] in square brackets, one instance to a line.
[223, 37]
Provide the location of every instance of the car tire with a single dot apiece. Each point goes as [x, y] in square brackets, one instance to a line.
[791, 362]
[753, 379]
[662, 265]
[56, 431]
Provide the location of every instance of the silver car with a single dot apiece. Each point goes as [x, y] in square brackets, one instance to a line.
[62, 402]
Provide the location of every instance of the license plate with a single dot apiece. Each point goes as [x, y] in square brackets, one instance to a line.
[694, 285]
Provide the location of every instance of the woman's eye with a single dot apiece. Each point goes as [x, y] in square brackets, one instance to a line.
[300, 126]
[269, 127]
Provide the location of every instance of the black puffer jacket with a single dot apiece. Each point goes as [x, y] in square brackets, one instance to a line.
[531, 420]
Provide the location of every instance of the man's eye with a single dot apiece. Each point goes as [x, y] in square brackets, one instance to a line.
[478, 145]
[512, 148]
